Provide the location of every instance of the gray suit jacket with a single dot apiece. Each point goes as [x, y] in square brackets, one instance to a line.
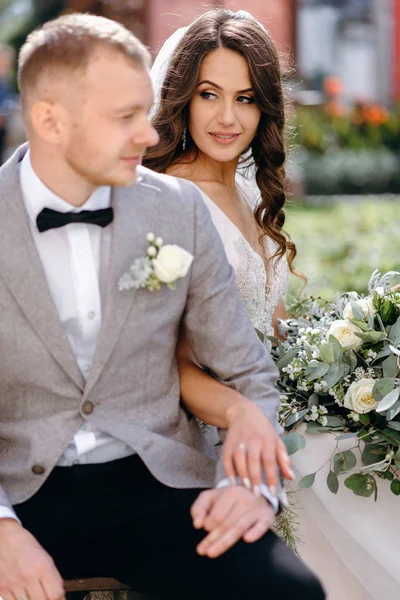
[134, 382]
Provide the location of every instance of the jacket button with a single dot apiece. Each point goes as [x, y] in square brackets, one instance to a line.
[37, 470]
[87, 408]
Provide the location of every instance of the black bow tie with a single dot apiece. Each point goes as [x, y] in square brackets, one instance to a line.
[51, 219]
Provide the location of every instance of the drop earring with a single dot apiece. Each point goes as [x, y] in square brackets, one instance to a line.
[184, 139]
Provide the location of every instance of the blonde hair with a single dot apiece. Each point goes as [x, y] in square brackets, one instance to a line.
[67, 43]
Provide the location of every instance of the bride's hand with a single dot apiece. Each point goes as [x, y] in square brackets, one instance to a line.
[251, 447]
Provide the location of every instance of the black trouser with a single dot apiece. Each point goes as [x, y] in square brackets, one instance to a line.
[116, 520]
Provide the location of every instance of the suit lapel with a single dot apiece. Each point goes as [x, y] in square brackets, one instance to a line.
[22, 270]
[134, 214]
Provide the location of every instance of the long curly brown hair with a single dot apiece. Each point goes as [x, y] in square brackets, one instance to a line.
[222, 28]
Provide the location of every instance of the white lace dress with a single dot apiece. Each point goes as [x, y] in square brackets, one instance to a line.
[260, 290]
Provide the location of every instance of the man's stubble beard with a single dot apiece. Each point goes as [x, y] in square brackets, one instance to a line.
[76, 161]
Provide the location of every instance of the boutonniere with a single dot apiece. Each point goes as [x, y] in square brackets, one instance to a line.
[163, 264]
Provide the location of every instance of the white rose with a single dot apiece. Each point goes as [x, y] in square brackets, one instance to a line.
[172, 263]
[344, 332]
[150, 237]
[365, 304]
[359, 396]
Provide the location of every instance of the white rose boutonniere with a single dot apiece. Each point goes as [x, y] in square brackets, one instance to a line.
[359, 396]
[344, 332]
[163, 264]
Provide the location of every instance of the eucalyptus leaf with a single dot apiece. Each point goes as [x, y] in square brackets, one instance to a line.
[364, 419]
[391, 435]
[394, 425]
[389, 366]
[395, 487]
[351, 357]
[362, 484]
[373, 453]
[307, 481]
[313, 400]
[345, 436]
[394, 334]
[260, 334]
[361, 325]
[357, 311]
[392, 413]
[337, 348]
[332, 482]
[287, 358]
[315, 371]
[313, 427]
[334, 421]
[295, 417]
[344, 461]
[294, 442]
[382, 388]
[327, 353]
[333, 375]
[388, 400]
[370, 318]
[371, 337]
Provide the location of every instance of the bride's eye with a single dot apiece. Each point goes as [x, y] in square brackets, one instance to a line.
[245, 99]
[208, 95]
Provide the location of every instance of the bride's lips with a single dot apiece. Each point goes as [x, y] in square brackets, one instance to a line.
[223, 137]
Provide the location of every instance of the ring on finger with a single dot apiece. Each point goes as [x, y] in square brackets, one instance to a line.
[242, 446]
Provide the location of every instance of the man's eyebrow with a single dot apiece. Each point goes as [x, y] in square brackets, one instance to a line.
[220, 88]
[130, 108]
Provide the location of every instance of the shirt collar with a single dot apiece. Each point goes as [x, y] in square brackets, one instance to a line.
[37, 195]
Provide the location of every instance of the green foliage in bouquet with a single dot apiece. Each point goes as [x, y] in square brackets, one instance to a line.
[340, 374]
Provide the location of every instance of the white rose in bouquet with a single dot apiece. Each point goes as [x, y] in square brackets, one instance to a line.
[359, 396]
[172, 263]
[345, 332]
[366, 305]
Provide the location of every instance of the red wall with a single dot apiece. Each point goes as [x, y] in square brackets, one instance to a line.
[164, 16]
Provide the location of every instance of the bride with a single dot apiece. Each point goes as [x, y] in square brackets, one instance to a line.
[211, 114]
[220, 117]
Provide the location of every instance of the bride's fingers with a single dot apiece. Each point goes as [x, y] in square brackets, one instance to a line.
[254, 466]
[240, 458]
[229, 465]
[268, 460]
[283, 460]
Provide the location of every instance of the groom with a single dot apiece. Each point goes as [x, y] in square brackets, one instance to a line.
[99, 465]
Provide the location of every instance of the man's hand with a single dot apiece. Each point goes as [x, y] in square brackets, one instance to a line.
[252, 446]
[27, 572]
[230, 514]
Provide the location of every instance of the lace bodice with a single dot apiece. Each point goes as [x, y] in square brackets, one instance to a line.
[261, 291]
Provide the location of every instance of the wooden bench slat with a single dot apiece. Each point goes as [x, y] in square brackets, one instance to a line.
[95, 584]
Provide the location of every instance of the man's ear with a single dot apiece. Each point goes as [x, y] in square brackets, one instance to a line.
[49, 121]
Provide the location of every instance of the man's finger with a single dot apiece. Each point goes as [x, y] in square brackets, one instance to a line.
[283, 460]
[230, 537]
[257, 530]
[201, 506]
[219, 513]
[34, 591]
[53, 585]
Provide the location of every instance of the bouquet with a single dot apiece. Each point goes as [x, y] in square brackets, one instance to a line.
[339, 369]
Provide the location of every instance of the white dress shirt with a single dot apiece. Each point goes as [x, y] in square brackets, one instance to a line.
[70, 257]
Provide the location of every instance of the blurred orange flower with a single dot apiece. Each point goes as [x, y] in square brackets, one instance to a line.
[375, 114]
[335, 109]
[333, 86]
